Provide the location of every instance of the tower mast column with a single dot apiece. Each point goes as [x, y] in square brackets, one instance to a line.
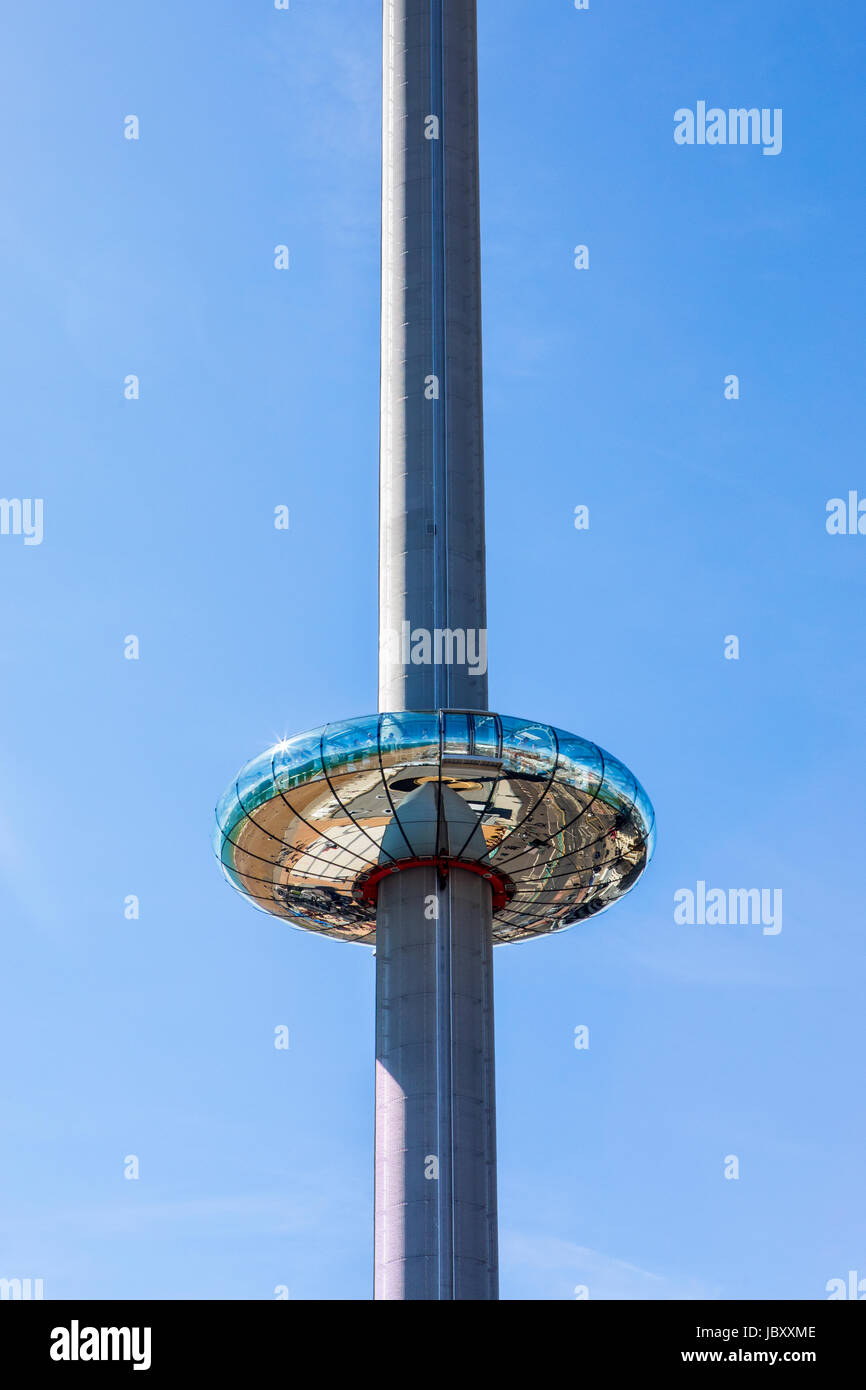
[436, 1233]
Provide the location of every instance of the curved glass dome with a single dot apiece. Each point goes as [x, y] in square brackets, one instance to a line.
[566, 825]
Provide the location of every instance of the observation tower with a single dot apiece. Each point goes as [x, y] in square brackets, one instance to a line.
[435, 828]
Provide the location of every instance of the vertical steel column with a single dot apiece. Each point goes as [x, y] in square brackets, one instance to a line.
[436, 1234]
[435, 1113]
[431, 502]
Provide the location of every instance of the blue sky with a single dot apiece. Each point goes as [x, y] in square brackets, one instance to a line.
[258, 388]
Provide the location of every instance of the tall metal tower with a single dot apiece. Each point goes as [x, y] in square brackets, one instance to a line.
[434, 963]
[436, 828]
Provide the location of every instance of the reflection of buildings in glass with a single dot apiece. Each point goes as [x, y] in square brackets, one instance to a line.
[303, 832]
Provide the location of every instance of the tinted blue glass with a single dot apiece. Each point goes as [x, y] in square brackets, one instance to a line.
[580, 762]
[256, 781]
[217, 838]
[455, 734]
[486, 736]
[228, 810]
[297, 760]
[619, 784]
[228, 875]
[527, 747]
[645, 810]
[408, 736]
[352, 743]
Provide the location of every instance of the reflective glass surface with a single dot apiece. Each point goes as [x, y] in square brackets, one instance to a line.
[298, 759]
[408, 737]
[566, 825]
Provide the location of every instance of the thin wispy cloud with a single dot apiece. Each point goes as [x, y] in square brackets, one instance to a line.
[551, 1268]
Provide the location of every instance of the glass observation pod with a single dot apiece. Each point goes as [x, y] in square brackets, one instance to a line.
[567, 828]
